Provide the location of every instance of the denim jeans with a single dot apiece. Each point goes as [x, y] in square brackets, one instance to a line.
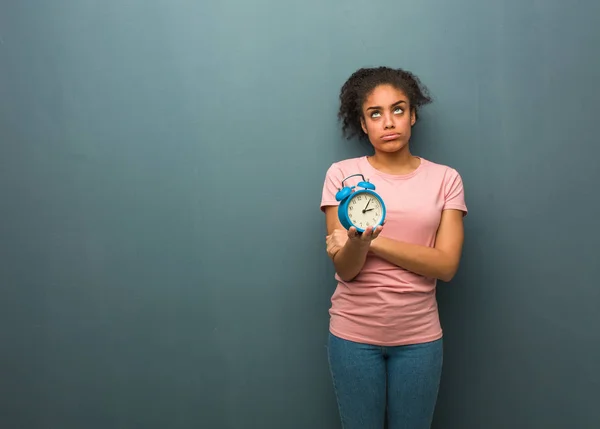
[373, 383]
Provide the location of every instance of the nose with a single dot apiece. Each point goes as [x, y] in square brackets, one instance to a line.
[388, 121]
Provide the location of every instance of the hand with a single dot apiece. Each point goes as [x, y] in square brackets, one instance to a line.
[339, 237]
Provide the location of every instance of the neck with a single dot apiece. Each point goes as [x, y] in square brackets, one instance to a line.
[400, 162]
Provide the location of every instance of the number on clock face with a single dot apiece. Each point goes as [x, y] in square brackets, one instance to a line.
[364, 210]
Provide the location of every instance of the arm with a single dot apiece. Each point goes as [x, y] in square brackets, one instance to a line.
[349, 257]
[440, 262]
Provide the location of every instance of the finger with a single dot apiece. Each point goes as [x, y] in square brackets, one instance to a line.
[377, 231]
[366, 236]
[352, 232]
[332, 251]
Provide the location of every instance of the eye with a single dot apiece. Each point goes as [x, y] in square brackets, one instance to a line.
[375, 115]
[398, 110]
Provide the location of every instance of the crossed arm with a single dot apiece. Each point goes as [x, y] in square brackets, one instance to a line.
[440, 261]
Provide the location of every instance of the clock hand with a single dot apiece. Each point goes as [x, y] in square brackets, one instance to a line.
[365, 209]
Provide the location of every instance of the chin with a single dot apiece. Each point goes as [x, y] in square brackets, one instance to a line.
[391, 146]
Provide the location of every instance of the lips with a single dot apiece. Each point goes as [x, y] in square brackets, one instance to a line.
[388, 137]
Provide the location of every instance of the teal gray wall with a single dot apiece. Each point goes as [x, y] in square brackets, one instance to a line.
[162, 260]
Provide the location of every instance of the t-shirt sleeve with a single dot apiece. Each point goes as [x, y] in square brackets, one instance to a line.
[332, 184]
[454, 193]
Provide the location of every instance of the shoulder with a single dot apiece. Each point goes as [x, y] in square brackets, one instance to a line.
[448, 182]
[335, 175]
[338, 170]
[348, 164]
[440, 169]
[441, 173]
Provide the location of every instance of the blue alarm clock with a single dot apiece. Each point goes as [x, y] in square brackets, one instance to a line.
[360, 208]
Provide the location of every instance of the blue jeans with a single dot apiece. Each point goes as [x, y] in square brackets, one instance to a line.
[374, 382]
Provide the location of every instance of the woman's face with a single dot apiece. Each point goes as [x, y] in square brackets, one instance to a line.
[387, 118]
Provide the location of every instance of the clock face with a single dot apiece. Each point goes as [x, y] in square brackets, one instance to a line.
[364, 210]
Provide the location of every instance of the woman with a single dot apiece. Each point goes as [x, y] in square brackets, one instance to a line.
[385, 339]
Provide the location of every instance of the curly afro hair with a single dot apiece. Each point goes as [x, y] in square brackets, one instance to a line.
[360, 84]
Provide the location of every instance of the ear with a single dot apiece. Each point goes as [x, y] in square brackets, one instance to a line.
[363, 124]
[413, 117]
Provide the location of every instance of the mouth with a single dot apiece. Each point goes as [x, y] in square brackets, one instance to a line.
[389, 137]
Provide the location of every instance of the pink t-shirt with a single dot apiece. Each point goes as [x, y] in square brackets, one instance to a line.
[386, 304]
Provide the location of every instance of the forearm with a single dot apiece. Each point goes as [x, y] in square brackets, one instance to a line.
[350, 259]
[423, 260]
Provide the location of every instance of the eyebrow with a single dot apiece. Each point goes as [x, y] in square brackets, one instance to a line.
[379, 108]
